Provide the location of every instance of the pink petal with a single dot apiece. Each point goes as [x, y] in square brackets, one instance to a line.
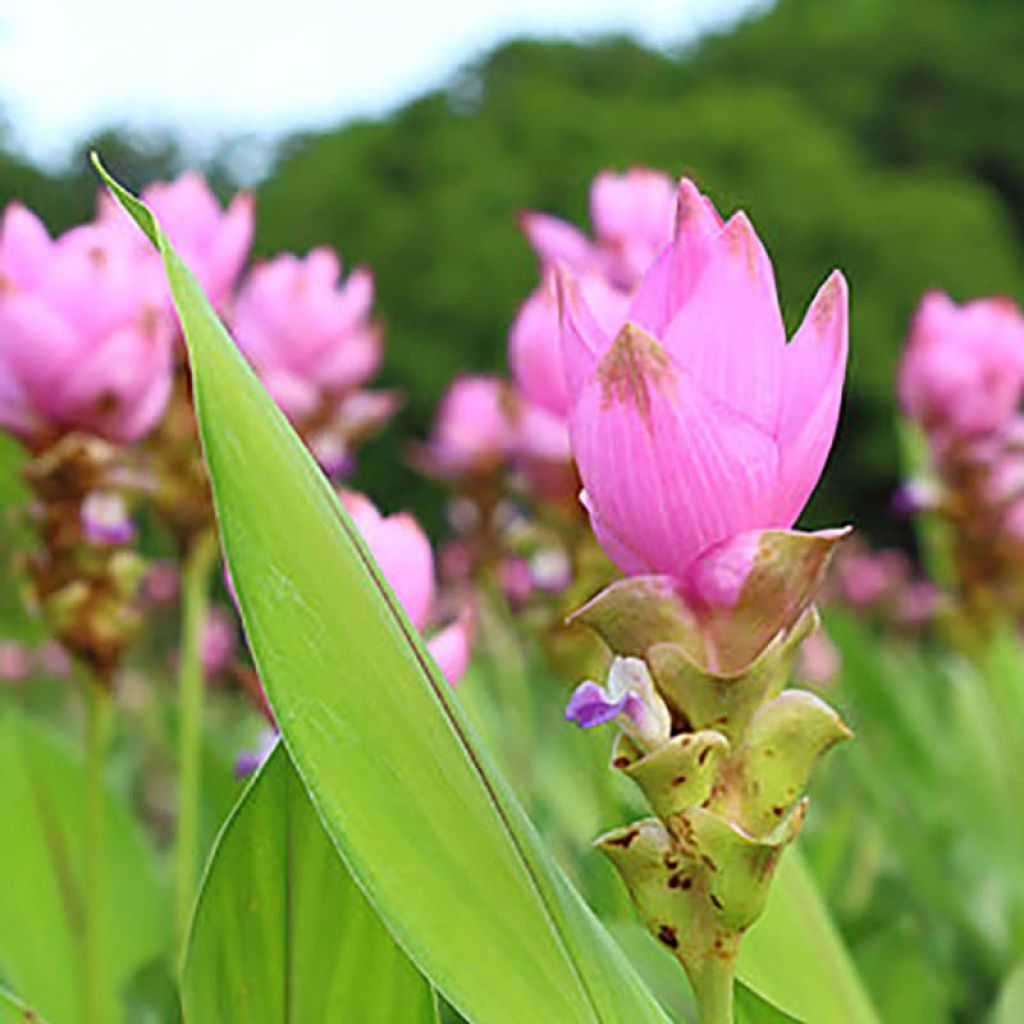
[668, 469]
[555, 241]
[451, 648]
[231, 244]
[729, 333]
[584, 341]
[402, 551]
[814, 366]
[39, 347]
[673, 276]
[24, 247]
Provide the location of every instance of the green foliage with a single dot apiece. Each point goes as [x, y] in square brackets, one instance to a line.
[42, 790]
[282, 932]
[14, 1011]
[427, 826]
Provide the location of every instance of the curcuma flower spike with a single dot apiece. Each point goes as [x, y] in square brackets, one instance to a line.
[697, 422]
[699, 434]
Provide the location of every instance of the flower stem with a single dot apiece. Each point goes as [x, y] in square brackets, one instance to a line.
[713, 987]
[194, 603]
[98, 730]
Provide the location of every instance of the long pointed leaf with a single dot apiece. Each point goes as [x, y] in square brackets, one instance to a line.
[423, 820]
[281, 931]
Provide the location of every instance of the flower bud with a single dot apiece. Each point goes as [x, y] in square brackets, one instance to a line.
[697, 422]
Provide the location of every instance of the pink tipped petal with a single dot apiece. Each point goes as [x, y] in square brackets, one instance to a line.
[451, 648]
[664, 463]
[583, 340]
[671, 279]
[814, 367]
[729, 332]
[555, 241]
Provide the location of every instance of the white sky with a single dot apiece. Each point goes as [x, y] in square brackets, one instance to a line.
[214, 67]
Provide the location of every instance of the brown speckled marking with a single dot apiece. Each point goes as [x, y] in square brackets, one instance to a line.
[717, 902]
[625, 840]
[679, 780]
[621, 762]
[668, 936]
[630, 367]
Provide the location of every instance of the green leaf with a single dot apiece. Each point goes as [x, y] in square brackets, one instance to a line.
[425, 823]
[42, 864]
[14, 1011]
[1009, 1008]
[752, 1008]
[794, 955]
[282, 932]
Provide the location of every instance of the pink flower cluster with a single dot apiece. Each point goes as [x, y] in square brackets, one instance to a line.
[84, 342]
[962, 381]
[87, 329]
[483, 423]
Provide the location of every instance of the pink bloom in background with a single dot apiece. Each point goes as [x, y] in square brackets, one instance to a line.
[308, 334]
[632, 216]
[83, 345]
[214, 242]
[535, 352]
[15, 663]
[698, 423]
[403, 553]
[217, 648]
[962, 373]
[473, 429]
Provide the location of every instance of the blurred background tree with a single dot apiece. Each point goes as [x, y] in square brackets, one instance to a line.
[876, 135]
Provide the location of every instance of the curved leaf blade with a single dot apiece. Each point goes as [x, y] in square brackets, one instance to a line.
[281, 932]
[417, 810]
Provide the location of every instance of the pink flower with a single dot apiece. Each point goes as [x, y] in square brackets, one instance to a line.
[82, 344]
[473, 430]
[214, 242]
[403, 553]
[697, 423]
[632, 215]
[962, 373]
[309, 336]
